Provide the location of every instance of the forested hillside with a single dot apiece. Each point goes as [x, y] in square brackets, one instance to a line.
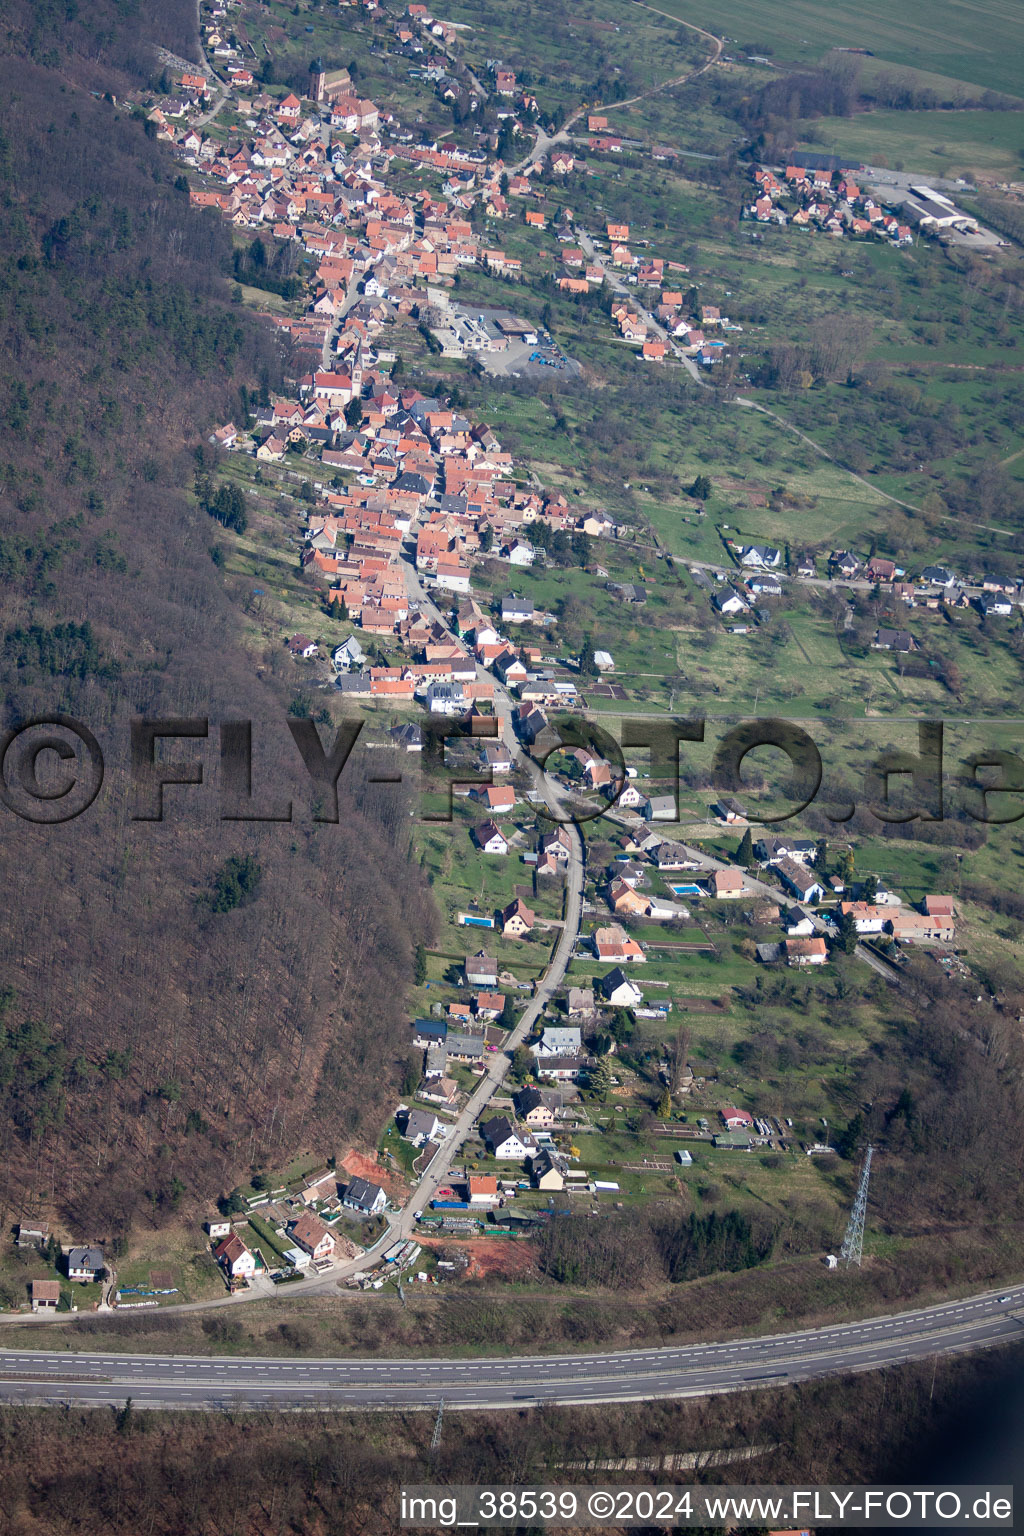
[158, 1039]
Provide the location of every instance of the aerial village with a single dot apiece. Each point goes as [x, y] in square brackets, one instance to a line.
[394, 470]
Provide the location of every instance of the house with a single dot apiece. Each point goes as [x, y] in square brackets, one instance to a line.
[466, 1045]
[729, 601]
[563, 1069]
[517, 919]
[532, 1110]
[497, 758]
[480, 970]
[797, 923]
[482, 1189]
[617, 989]
[436, 1062]
[623, 898]
[771, 850]
[727, 884]
[994, 605]
[31, 1236]
[893, 640]
[558, 1040]
[843, 563]
[313, 1236]
[408, 737]
[806, 951]
[489, 838]
[420, 1126]
[497, 798]
[867, 918]
[301, 646]
[580, 1002]
[517, 610]
[912, 927]
[503, 1141]
[764, 556]
[674, 856]
[427, 1032]
[546, 1171]
[799, 880]
[614, 943]
[937, 576]
[444, 698]
[44, 1295]
[603, 661]
[938, 906]
[363, 1196]
[736, 1119]
[234, 1258]
[348, 654]
[85, 1264]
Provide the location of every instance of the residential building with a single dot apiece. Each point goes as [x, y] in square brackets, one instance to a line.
[559, 1040]
[480, 970]
[235, 1258]
[312, 1235]
[531, 1109]
[504, 1142]
[617, 989]
[85, 1263]
[517, 919]
[420, 1126]
[363, 1196]
[806, 951]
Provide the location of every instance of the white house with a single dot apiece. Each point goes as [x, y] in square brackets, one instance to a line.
[364, 1196]
[85, 1263]
[234, 1257]
[762, 556]
[617, 989]
[446, 699]
[504, 1142]
[489, 838]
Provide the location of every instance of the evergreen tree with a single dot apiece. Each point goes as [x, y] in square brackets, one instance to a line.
[745, 851]
[419, 974]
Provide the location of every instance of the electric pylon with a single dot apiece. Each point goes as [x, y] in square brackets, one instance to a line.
[852, 1250]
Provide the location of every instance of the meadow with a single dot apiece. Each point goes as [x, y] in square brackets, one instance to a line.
[982, 44]
[937, 143]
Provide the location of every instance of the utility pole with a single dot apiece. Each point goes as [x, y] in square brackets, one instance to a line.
[853, 1243]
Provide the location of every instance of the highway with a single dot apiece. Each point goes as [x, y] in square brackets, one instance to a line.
[694, 1370]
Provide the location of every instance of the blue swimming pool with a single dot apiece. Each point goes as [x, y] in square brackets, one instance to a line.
[686, 890]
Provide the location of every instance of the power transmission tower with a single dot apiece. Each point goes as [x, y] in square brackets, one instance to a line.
[852, 1250]
[435, 1439]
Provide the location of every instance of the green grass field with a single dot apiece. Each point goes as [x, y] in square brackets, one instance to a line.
[981, 43]
[935, 143]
